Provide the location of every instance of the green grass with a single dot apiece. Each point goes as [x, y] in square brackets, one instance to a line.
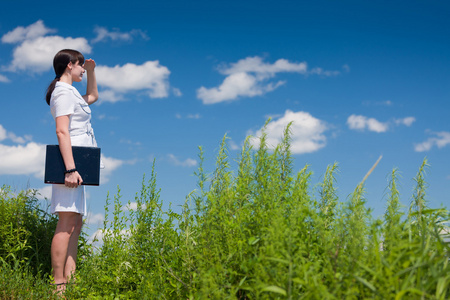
[259, 232]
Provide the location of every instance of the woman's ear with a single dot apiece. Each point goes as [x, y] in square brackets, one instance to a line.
[70, 65]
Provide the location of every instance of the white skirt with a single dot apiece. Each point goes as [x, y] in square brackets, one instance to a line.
[65, 199]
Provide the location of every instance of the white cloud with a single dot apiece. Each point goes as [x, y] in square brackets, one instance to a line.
[193, 116]
[307, 132]
[22, 160]
[233, 145]
[4, 134]
[189, 162]
[250, 77]
[188, 116]
[320, 71]
[150, 77]
[45, 192]
[256, 65]
[234, 86]
[21, 33]
[35, 50]
[358, 122]
[408, 121]
[110, 96]
[177, 92]
[100, 234]
[3, 78]
[98, 237]
[111, 164]
[132, 206]
[440, 140]
[94, 219]
[36, 55]
[104, 34]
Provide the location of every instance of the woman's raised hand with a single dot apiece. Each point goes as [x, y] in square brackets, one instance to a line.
[89, 64]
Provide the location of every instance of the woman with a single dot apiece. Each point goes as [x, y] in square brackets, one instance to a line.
[72, 117]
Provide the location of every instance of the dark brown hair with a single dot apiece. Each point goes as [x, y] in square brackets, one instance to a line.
[60, 62]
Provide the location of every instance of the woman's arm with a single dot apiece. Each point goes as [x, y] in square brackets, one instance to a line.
[91, 90]
[62, 132]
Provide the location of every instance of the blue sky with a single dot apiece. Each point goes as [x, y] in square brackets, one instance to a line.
[359, 79]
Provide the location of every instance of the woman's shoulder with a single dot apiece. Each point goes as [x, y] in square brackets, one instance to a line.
[62, 95]
[63, 90]
[63, 87]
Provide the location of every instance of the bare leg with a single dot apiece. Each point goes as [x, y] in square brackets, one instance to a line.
[60, 244]
[71, 260]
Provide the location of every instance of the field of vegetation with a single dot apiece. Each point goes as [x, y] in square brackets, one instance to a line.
[260, 231]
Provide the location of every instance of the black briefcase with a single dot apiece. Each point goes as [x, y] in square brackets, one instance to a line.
[87, 163]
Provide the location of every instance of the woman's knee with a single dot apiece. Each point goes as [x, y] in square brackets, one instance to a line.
[69, 222]
[78, 226]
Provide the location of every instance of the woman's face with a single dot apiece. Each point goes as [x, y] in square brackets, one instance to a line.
[77, 72]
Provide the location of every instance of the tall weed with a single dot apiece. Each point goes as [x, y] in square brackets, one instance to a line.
[263, 232]
[26, 230]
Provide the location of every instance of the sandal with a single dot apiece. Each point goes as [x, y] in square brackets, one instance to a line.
[60, 287]
[56, 284]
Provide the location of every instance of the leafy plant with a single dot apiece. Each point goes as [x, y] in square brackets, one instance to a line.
[26, 230]
[263, 232]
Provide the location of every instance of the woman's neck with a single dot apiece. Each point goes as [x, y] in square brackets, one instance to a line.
[66, 78]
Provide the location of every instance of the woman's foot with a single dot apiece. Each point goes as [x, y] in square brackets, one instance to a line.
[59, 288]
